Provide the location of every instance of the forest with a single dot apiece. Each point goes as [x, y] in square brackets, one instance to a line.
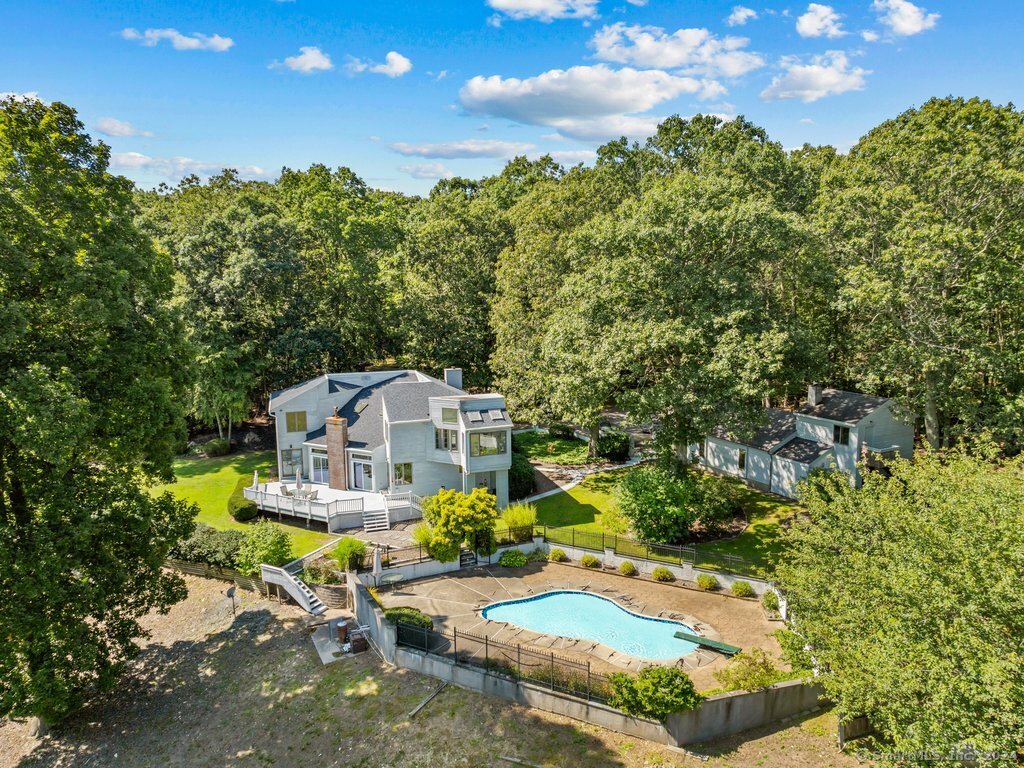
[687, 280]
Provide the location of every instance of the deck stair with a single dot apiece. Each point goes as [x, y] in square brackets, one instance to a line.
[376, 520]
[294, 586]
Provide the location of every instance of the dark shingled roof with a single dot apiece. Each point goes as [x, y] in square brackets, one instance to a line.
[485, 419]
[409, 402]
[849, 407]
[780, 427]
[365, 414]
[317, 436]
[803, 450]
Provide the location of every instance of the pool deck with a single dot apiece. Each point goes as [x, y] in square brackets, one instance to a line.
[455, 600]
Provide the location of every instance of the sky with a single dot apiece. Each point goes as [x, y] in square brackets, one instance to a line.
[405, 93]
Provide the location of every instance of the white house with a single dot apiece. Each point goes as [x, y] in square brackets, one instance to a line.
[375, 442]
[833, 429]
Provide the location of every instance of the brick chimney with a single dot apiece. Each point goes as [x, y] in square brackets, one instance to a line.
[453, 377]
[814, 394]
[337, 461]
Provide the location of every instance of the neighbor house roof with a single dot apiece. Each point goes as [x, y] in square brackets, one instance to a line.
[848, 407]
[803, 450]
[411, 401]
[780, 428]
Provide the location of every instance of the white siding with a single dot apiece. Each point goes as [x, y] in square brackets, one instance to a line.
[883, 429]
[722, 456]
[759, 467]
[786, 473]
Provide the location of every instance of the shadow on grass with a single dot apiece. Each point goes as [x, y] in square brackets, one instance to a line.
[728, 746]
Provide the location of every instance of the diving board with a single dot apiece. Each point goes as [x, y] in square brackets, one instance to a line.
[711, 645]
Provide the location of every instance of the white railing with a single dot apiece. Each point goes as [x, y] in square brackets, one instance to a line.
[402, 500]
[295, 506]
[295, 587]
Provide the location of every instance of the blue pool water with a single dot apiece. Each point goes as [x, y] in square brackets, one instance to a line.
[584, 615]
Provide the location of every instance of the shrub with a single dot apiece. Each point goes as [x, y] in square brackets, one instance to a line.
[422, 534]
[349, 553]
[512, 558]
[589, 561]
[743, 589]
[661, 573]
[520, 519]
[408, 615]
[750, 671]
[521, 482]
[707, 582]
[557, 555]
[562, 431]
[655, 693]
[219, 446]
[239, 507]
[263, 543]
[209, 546]
[613, 445]
[770, 600]
[538, 555]
[321, 571]
[457, 517]
[627, 569]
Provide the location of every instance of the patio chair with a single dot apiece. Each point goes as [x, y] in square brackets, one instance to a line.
[285, 491]
[312, 495]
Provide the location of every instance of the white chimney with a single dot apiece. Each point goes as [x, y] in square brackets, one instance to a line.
[453, 377]
[814, 394]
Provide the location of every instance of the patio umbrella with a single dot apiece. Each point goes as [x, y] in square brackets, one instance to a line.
[377, 567]
[298, 481]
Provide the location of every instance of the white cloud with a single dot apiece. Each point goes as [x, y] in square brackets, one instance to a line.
[27, 96]
[740, 15]
[544, 10]
[194, 42]
[825, 75]
[820, 20]
[695, 51]
[869, 35]
[903, 18]
[111, 126]
[577, 93]
[607, 128]
[427, 171]
[464, 148]
[395, 65]
[308, 61]
[806, 121]
[573, 156]
[177, 167]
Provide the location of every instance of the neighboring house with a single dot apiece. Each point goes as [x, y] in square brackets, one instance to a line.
[396, 431]
[833, 429]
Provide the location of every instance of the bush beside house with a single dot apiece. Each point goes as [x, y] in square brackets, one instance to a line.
[264, 543]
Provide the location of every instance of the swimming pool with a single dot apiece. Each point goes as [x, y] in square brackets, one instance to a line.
[584, 615]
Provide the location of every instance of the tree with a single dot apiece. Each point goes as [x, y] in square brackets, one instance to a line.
[456, 518]
[92, 379]
[654, 692]
[264, 544]
[908, 593]
[924, 218]
[666, 506]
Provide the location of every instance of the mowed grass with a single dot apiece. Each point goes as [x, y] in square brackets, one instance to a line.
[541, 447]
[592, 502]
[208, 483]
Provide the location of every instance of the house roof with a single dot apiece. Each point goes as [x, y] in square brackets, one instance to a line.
[803, 450]
[485, 418]
[365, 413]
[411, 401]
[780, 427]
[848, 407]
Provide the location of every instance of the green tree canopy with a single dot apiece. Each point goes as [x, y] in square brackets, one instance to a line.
[92, 378]
[908, 592]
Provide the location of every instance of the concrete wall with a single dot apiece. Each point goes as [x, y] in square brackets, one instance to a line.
[729, 713]
[369, 614]
[530, 695]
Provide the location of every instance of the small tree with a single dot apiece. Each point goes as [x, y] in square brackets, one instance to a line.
[750, 671]
[656, 692]
[264, 543]
[658, 506]
[349, 553]
[456, 518]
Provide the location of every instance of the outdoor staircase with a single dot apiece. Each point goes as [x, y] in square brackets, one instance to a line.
[376, 520]
[467, 557]
[295, 587]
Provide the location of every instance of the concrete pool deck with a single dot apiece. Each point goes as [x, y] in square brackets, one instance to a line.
[454, 601]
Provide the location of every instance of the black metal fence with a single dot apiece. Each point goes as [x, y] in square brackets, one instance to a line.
[665, 553]
[391, 557]
[516, 662]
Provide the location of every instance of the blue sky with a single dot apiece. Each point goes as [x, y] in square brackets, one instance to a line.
[407, 92]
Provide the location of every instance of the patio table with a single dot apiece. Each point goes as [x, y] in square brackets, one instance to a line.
[390, 579]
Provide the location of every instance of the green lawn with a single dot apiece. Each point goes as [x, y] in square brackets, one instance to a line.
[585, 507]
[540, 446]
[209, 482]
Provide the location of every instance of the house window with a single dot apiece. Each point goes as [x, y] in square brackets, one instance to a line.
[840, 435]
[295, 421]
[291, 462]
[321, 471]
[487, 443]
[449, 415]
[446, 439]
[743, 459]
[403, 474]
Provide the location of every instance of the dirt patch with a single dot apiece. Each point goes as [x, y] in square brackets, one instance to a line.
[212, 690]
